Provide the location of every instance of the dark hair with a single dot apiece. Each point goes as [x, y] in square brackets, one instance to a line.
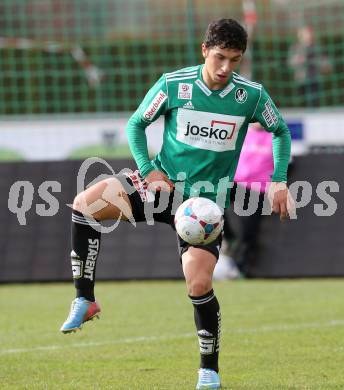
[226, 34]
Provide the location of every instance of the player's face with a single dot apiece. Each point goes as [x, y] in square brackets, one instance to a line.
[219, 65]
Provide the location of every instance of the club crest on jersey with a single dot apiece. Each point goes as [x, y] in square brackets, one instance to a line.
[241, 95]
[185, 91]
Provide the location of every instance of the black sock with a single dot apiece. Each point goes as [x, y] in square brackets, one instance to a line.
[85, 248]
[208, 323]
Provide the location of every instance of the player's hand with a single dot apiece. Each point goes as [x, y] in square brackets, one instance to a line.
[158, 181]
[281, 201]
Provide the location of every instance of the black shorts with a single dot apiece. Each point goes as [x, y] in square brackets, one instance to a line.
[141, 199]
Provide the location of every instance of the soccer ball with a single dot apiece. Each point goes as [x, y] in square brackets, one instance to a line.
[198, 221]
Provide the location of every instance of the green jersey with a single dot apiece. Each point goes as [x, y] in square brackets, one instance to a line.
[205, 129]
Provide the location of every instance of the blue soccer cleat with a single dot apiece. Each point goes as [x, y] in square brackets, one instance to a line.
[208, 379]
[81, 311]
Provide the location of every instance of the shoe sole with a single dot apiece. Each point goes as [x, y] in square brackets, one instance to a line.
[74, 330]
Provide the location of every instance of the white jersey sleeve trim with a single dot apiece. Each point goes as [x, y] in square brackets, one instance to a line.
[181, 78]
[259, 87]
[182, 71]
[239, 77]
[168, 95]
[254, 112]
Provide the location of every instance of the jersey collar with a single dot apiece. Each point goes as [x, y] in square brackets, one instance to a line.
[221, 92]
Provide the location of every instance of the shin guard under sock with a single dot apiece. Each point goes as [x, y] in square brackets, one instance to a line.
[208, 323]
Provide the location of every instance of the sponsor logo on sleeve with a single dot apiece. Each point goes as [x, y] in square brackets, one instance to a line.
[269, 114]
[185, 91]
[241, 95]
[153, 108]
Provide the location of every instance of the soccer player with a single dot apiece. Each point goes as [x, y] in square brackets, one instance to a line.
[207, 111]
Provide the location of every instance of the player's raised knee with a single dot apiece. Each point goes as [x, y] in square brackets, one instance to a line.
[79, 203]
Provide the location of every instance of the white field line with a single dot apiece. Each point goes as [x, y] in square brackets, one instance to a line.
[261, 329]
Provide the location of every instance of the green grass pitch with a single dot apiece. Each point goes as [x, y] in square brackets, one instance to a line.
[276, 335]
